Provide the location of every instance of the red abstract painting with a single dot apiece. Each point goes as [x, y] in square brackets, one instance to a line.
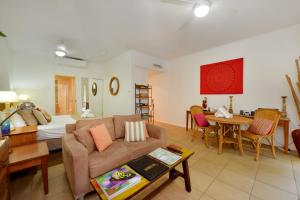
[222, 78]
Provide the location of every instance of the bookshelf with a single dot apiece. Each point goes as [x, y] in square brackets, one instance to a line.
[144, 102]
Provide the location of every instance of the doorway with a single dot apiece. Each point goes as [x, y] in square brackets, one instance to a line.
[65, 95]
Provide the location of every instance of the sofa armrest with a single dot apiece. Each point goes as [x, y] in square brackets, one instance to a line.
[70, 128]
[75, 158]
[157, 133]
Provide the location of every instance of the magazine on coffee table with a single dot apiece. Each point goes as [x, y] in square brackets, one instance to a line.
[165, 156]
[117, 181]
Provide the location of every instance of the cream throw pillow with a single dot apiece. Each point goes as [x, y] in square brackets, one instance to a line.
[40, 117]
[28, 117]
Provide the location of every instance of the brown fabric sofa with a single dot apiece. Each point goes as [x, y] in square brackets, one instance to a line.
[82, 161]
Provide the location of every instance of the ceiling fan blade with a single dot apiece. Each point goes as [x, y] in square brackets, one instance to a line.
[178, 2]
[186, 23]
[75, 58]
[2, 34]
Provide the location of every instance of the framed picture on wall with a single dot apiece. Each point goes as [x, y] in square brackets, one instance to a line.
[222, 77]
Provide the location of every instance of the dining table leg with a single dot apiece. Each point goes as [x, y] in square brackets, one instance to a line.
[239, 137]
[221, 138]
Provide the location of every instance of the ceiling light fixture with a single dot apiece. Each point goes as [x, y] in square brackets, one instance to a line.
[202, 8]
[60, 53]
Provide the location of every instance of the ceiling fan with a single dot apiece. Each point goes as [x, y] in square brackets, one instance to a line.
[61, 51]
[2, 34]
[200, 8]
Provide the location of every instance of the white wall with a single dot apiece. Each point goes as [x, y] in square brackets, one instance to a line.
[34, 75]
[5, 63]
[123, 103]
[268, 58]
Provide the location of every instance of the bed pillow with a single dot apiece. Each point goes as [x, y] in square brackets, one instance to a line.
[17, 120]
[46, 114]
[40, 117]
[101, 137]
[28, 117]
[135, 131]
[261, 126]
[84, 136]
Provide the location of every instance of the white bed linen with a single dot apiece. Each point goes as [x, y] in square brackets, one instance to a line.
[56, 128]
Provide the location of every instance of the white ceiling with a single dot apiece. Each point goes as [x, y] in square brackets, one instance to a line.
[100, 29]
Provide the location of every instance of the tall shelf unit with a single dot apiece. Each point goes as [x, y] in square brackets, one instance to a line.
[143, 102]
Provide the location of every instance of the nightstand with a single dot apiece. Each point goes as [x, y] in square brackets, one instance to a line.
[22, 136]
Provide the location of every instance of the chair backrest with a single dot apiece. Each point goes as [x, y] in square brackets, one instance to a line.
[196, 110]
[270, 114]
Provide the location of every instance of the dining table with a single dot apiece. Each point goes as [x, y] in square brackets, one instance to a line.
[230, 130]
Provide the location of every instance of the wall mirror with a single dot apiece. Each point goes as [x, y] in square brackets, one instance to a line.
[114, 86]
[94, 88]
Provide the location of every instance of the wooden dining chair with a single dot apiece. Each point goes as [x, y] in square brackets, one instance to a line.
[264, 114]
[206, 130]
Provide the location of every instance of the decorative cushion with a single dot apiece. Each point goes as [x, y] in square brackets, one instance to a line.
[84, 136]
[28, 117]
[46, 115]
[119, 121]
[101, 137]
[17, 120]
[261, 126]
[40, 117]
[201, 120]
[135, 131]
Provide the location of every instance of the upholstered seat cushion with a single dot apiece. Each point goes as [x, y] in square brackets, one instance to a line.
[138, 149]
[115, 155]
[109, 124]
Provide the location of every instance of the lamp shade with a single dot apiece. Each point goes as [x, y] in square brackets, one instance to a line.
[8, 97]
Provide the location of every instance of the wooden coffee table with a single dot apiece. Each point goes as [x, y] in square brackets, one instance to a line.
[26, 156]
[173, 174]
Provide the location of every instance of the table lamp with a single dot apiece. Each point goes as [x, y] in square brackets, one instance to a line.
[7, 97]
[23, 106]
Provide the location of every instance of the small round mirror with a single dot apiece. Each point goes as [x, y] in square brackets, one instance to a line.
[94, 89]
[114, 86]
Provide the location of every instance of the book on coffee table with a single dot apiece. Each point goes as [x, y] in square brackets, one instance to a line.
[117, 181]
[148, 167]
[165, 156]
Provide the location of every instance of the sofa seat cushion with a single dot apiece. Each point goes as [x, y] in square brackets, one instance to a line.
[115, 155]
[109, 124]
[138, 149]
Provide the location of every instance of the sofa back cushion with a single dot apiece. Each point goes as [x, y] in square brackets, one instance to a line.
[109, 124]
[119, 121]
[84, 136]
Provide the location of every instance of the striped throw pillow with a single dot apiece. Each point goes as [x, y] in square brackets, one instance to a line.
[261, 126]
[135, 131]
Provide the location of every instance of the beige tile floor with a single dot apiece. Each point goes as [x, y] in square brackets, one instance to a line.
[228, 176]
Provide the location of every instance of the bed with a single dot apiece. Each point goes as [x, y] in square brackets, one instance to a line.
[54, 131]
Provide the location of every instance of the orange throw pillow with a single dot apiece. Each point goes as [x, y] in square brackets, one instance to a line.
[101, 137]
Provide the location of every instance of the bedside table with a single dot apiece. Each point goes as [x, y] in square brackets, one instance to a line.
[22, 136]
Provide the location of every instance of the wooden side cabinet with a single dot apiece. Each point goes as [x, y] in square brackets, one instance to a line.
[22, 136]
[4, 179]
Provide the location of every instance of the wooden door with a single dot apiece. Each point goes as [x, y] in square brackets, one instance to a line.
[65, 95]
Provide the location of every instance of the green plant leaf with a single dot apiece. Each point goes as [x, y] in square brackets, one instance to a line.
[2, 34]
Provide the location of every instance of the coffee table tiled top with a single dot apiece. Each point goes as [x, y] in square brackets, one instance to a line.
[145, 183]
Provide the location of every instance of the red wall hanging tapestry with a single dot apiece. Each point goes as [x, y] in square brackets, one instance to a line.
[222, 78]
